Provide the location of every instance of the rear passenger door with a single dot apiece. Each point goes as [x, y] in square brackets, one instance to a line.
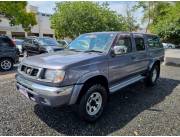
[140, 57]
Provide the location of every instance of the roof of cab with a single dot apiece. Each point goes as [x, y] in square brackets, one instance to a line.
[122, 32]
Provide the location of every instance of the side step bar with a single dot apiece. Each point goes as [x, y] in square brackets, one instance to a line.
[126, 83]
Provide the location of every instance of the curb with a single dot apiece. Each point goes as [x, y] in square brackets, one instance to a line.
[172, 61]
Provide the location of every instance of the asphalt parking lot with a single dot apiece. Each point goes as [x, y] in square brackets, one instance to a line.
[136, 110]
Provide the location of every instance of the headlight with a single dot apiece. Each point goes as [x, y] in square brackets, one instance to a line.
[54, 76]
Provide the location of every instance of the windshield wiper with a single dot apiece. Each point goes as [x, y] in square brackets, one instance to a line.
[93, 51]
[74, 50]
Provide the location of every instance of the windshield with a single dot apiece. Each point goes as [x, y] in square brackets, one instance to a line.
[92, 42]
[48, 42]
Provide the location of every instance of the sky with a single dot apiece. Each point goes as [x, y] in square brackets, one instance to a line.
[118, 6]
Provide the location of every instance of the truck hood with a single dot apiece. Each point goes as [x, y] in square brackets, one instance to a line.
[58, 60]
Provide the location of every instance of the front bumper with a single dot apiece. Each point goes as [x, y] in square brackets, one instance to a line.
[45, 95]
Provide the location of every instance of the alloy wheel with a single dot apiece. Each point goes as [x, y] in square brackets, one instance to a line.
[6, 64]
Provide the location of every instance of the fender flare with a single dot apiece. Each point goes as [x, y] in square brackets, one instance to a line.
[80, 83]
[152, 62]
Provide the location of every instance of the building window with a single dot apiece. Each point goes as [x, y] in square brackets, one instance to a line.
[48, 35]
[2, 32]
[19, 35]
[33, 34]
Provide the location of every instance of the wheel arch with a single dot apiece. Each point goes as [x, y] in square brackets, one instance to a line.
[154, 62]
[79, 90]
[7, 58]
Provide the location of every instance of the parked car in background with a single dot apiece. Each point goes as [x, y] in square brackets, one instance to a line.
[18, 43]
[64, 43]
[92, 67]
[169, 46]
[38, 45]
[178, 46]
[9, 54]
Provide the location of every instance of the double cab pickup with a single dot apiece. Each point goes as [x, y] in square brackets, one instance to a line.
[92, 67]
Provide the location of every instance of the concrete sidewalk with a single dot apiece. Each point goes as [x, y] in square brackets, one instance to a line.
[172, 57]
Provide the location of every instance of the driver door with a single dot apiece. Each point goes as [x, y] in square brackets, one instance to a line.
[121, 66]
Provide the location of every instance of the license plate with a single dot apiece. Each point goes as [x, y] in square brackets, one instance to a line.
[23, 91]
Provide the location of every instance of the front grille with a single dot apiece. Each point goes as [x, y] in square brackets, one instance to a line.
[30, 71]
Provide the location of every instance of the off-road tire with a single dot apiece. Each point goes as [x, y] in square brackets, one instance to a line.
[150, 81]
[82, 110]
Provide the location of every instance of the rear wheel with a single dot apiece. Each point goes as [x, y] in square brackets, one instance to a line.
[92, 104]
[6, 64]
[153, 75]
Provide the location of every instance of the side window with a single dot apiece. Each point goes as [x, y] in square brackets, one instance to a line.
[5, 42]
[26, 41]
[29, 42]
[124, 45]
[154, 42]
[2, 43]
[157, 42]
[139, 44]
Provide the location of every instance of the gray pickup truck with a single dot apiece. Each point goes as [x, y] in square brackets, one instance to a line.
[90, 69]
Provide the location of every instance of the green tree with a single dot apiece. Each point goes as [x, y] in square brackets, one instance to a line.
[16, 13]
[151, 11]
[130, 20]
[163, 19]
[167, 23]
[73, 18]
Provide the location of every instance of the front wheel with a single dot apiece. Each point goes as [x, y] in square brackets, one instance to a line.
[92, 104]
[153, 75]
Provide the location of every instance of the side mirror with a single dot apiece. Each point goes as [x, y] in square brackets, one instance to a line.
[118, 50]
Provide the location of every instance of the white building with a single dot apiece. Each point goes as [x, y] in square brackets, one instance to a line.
[41, 29]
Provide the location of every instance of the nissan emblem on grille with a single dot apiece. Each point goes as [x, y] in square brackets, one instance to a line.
[28, 71]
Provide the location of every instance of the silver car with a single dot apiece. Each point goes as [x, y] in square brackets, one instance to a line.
[169, 46]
